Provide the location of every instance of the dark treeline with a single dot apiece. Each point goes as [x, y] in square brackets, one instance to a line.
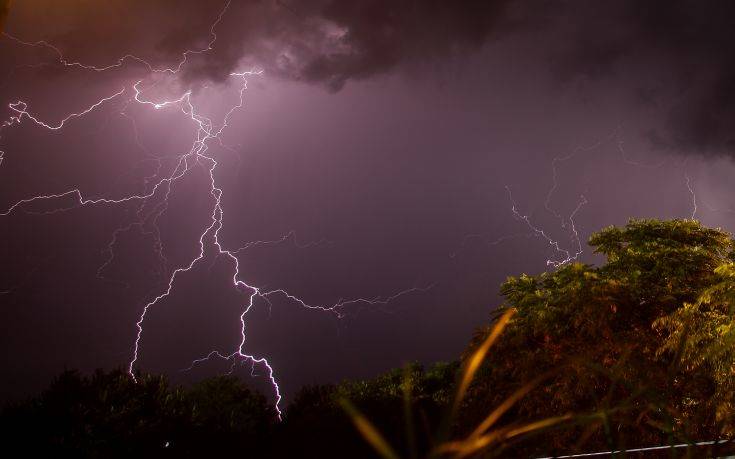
[636, 352]
[107, 414]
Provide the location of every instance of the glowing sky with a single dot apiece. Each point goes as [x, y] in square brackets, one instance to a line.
[376, 150]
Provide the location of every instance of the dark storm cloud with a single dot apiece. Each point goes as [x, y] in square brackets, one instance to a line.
[398, 175]
[378, 35]
[330, 41]
[677, 55]
[680, 54]
[318, 41]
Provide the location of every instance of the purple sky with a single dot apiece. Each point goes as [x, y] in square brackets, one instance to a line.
[386, 133]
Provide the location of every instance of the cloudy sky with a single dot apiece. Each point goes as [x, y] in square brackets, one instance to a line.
[410, 153]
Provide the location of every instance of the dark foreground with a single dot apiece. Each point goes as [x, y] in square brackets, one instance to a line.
[637, 352]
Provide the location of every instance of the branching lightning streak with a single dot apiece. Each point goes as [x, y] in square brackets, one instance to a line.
[568, 222]
[290, 236]
[693, 193]
[206, 131]
[567, 254]
[21, 110]
[121, 61]
[335, 308]
[700, 202]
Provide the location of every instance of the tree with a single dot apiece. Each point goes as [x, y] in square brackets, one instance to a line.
[702, 334]
[608, 338]
[316, 425]
[637, 351]
[111, 415]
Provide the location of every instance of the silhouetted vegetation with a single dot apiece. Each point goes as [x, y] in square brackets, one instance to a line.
[638, 351]
[110, 415]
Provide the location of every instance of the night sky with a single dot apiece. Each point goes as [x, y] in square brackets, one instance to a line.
[410, 153]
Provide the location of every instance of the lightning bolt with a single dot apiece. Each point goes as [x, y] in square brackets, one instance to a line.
[690, 187]
[120, 62]
[290, 236]
[566, 254]
[160, 187]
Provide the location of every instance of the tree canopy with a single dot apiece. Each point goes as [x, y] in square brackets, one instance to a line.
[643, 341]
[636, 351]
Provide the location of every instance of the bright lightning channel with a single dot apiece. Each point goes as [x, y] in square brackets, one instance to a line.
[206, 131]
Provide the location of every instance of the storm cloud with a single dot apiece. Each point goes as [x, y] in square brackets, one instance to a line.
[678, 54]
[317, 41]
[393, 130]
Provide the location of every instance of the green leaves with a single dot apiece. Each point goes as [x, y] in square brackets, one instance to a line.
[651, 328]
[645, 342]
[637, 351]
[663, 260]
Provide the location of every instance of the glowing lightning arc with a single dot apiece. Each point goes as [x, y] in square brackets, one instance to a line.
[206, 131]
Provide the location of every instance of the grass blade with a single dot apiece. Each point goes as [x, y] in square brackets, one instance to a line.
[369, 432]
[474, 362]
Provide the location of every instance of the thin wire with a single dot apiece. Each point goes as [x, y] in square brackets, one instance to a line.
[639, 450]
